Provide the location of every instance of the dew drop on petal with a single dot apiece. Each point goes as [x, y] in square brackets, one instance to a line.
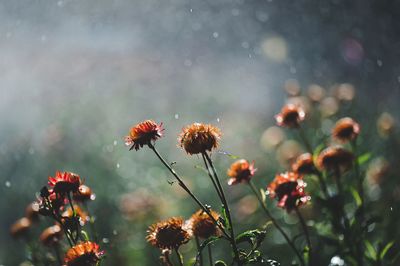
[93, 197]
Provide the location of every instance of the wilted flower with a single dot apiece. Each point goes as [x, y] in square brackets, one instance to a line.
[168, 234]
[329, 106]
[199, 138]
[377, 170]
[20, 227]
[335, 158]
[51, 235]
[143, 134]
[65, 182]
[385, 124]
[345, 92]
[84, 193]
[290, 116]
[203, 226]
[240, 171]
[288, 188]
[32, 211]
[83, 254]
[345, 129]
[304, 164]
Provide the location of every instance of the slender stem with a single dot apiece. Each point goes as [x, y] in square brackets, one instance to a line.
[211, 177]
[226, 207]
[180, 259]
[78, 231]
[182, 184]
[66, 232]
[306, 233]
[57, 251]
[275, 222]
[210, 255]
[198, 250]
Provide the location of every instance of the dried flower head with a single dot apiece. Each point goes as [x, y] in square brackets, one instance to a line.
[83, 254]
[32, 211]
[199, 138]
[345, 129]
[304, 164]
[65, 182]
[385, 124]
[81, 214]
[203, 226]
[20, 227]
[84, 193]
[240, 171]
[51, 235]
[288, 188]
[335, 158]
[290, 116]
[143, 134]
[168, 234]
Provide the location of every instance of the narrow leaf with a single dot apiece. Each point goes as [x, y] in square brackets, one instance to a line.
[386, 249]
[356, 196]
[364, 158]
[371, 250]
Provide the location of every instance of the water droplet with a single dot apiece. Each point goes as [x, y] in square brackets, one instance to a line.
[105, 240]
[115, 143]
[191, 10]
[93, 197]
[176, 116]
[118, 165]
[379, 62]
[115, 232]
[218, 119]
[391, 208]
[8, 184]
[215, 34]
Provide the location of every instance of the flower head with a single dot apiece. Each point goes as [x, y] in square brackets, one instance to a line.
[51, 235]
[288, 188]
[290, 116]
[199, 138]
[83, 254]
[84, 193]
[203, 226]
[304, 164]
[143, 134]
[168, 234]
[65, 182]
[335, 158]
[20, 227]
[240, 171]
[345, 129]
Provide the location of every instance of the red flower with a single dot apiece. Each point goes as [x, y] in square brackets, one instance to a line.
[335, 158]
[143, 133]
[345, 129]
[304, 164]
[240, 171]
[65, 182]
[288, 188]
[290, 116]
[83, 254]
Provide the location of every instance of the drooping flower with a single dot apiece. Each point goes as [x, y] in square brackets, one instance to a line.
[143, 134]
[240, 171]
[83, 254]
[304, 164]
[203, 226]
[290, 116]
[65, 182]
[289, 189]
[20, 227]
[335, 158]
[168, 234]
[51, 235]
[345, 129]
[84, 193]
[199, 138]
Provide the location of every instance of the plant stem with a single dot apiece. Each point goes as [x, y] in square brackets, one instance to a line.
[212, 179]
[306, 233]
[91, 222]
[180, 259]
[182, 184]
[226, 207]
[198, 250]
[275, 222]
[57, 251]
[210, 255]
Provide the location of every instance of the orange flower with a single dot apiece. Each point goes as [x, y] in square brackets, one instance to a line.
[20, 227]
[335, 158]
[143, 134]
[83, 254]
[240, 171]
[345, 129]
[304, 164]
[82, 215]
[288, 188]
[290, 116]
[168, 234]
[84, 193]
[199, 138]
[51, 235]
[65, 182]
[203, 226]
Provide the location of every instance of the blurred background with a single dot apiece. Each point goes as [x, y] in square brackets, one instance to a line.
[76, 75]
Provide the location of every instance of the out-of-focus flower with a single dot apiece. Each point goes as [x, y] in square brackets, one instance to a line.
[83, 254]
[139, 204]
[329, 106]
[246, 206]
[344, 92]
[292, 87]
[272, 137]
[290, 116]
[288, 152]
[288, 188]
[377, 170]
[203, 226]
[32, 211]
[51, 235]
[84, 193]
[345, 129]
[65, 182]
[304, 164]
[81, 214]
[168, 234]
[335, 158]
[20, 227]
[240, 171]
[199, 138]
[316, 93]
[385, 124]
[300, 101]
[143, 134]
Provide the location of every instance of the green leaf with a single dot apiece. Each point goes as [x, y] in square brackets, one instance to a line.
[371, 250]
[356, 196]
[263, 195]
[317, 150]
[254, 237]
[386, 249]
[364, 158]
[220, 263]
[225, 219]
[85, 235]
[206, 242]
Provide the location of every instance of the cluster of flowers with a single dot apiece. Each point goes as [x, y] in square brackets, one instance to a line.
[63, 202]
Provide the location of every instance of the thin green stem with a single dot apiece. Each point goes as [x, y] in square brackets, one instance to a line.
[210, 255]
[307, 234]
[198, 250]
[179, 256]
[212, 179]
[57, 252]
[275, 223]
